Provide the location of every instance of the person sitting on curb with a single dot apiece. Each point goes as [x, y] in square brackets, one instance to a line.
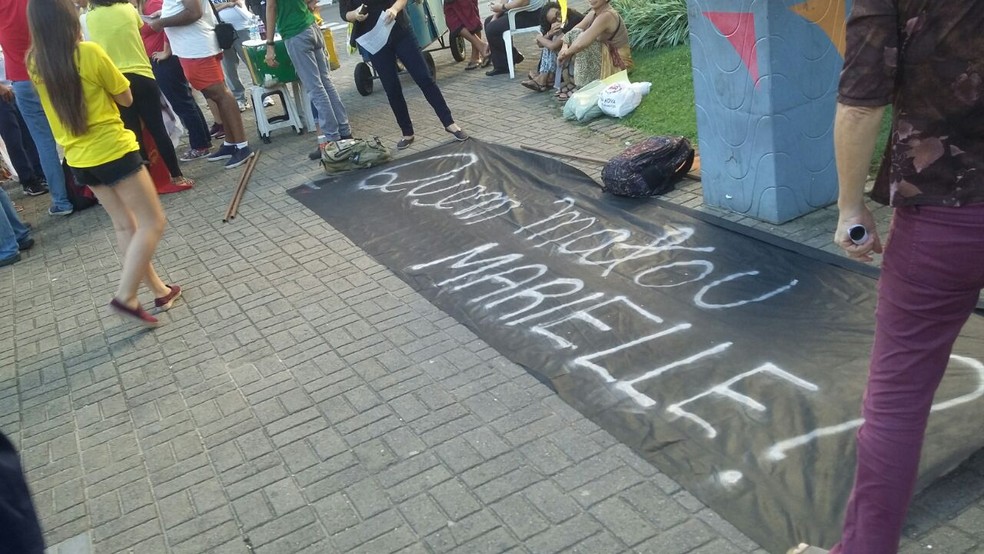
[601, 41]
[551, 39]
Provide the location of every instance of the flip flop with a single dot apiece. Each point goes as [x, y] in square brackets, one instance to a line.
[473, 65]
[486, 61]
[534, 86]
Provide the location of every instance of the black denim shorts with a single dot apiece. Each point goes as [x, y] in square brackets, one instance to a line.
[109, 173]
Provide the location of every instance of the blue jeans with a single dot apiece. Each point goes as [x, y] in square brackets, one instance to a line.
[12, 231]
[30, 108]
[20, 146]
[402, 45]
[173, 84]
[307, 53]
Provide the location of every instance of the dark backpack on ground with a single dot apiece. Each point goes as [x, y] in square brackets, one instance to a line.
[649, 168]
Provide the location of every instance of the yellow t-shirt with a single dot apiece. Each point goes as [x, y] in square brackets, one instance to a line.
[116, 28]
[106, 139]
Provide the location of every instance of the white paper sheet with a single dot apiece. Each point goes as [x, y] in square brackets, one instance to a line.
[376, 38]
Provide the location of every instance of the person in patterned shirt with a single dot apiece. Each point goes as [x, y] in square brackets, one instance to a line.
[926, 59]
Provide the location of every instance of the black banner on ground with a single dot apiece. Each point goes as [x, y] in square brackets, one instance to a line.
[734, 365]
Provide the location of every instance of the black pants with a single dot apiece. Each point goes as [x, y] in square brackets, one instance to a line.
[402, 45]
[20, 145]
[18, 520]
[147, 107]
[173, 83]
[494, 28]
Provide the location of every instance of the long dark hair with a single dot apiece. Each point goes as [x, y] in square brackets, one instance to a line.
[544, 24]
[108, 2]
[55, 32]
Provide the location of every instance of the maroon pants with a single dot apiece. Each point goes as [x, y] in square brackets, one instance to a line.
[932, 274]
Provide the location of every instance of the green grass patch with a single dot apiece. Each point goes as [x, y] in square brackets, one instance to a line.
[669, 107]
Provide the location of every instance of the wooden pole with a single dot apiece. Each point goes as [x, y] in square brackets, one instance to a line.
[237, 196]
[691, 175]
[555, 153]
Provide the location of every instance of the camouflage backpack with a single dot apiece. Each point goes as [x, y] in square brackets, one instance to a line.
[350, 154]
[648, 168]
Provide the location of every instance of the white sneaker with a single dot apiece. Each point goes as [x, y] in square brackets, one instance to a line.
[267, 102]
[242, 105]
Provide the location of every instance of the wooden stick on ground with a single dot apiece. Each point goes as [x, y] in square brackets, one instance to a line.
[555, 153]
[237, 196]
[693, 175]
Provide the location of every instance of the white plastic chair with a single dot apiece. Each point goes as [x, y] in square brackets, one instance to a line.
[507, 36]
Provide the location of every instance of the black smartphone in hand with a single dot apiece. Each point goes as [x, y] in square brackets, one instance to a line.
[364, 10]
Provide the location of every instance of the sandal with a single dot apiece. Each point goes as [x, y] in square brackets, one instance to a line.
[473, 65]
[486, 61]
[534, 86]
[565, 92]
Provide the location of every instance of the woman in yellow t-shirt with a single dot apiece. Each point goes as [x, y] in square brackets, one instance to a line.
[115, 25]
[100, 151]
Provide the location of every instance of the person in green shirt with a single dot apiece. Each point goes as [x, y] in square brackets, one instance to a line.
[306, 47]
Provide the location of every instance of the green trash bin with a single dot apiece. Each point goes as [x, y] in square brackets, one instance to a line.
[262, 74]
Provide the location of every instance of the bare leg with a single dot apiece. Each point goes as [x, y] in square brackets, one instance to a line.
[123, 236]
[216, 115]
[232, 120]
[478, 45]
[137, 215]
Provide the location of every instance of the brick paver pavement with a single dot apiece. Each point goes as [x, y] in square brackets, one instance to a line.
[301, 398]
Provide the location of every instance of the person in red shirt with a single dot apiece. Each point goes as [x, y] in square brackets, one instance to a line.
[15, 40]
[172, 82]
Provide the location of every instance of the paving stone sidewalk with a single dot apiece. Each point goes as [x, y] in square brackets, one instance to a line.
[301, 398]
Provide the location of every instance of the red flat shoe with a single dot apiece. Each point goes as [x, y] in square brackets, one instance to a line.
[137, 315]
[165, 302]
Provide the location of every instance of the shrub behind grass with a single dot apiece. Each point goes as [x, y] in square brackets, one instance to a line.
[654, 23]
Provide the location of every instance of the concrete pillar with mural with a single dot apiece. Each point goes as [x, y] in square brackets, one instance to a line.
[765, 84]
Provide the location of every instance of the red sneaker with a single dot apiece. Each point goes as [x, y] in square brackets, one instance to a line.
[138, 314]
[165, 302]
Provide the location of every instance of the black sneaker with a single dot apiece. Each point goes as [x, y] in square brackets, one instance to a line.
[223, 153]
[239, 157]
[217, 131]
[25, 244]
[35, 188]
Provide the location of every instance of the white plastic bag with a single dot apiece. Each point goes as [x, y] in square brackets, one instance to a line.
[175, 129]
[620, 99]
[583, 104]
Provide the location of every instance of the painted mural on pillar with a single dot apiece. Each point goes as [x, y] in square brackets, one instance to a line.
[765, 83]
